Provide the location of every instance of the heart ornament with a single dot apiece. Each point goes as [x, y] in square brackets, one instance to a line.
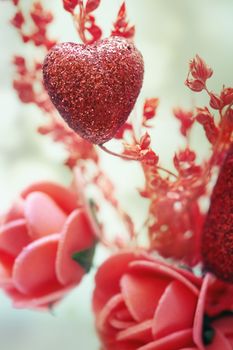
[217, 236]
[94, 87]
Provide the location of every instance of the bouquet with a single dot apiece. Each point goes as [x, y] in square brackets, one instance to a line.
[167, 285]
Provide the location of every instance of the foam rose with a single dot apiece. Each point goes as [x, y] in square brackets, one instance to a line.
[38, 238]
[145, 304]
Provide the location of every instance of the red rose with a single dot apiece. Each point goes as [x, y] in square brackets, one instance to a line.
[145, 304]
[38, 239]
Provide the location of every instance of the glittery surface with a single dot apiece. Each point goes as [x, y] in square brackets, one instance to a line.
[94, 87]
[217, 243]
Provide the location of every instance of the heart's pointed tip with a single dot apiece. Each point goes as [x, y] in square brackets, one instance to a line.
[94, 87]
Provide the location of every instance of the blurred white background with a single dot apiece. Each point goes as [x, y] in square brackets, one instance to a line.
[169, 33]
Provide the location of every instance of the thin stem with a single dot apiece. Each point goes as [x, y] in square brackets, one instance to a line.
[123, 156]
[167, 171]
[135, 158]
[79, 21]
[207, 90]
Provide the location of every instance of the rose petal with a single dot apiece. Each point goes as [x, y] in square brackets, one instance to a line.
[34, 269]
[198, 319]
[224, 325]
[142, 292]
[7, 261]
[175, 341]
[219, 342]
[77, 235]
[105, 328]
[120, 325]
[78, 187]
[122, 346]
[43, 215]
[13, 237]
[114, 304]
[230, 340]
[175, 310]
[197, 281]
[64, 198]
[123, 315]
[16, 211]
[122, 319]
[5, 278]
[41, 303]
[161, 269]
[141, 332]
[108, 277]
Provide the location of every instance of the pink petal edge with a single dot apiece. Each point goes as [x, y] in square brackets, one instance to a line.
[43, 215]
[77, 235]
[175, 341]
[65, 198]
[14, 237]
[34, 267]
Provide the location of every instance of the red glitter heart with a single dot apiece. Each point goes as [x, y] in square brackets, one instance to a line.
[94, 87]
[217, 241]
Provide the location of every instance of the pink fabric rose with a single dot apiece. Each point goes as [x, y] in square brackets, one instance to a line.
[38, 239]
[145, 304]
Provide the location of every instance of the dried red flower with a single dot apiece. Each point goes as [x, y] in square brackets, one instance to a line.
[124, 128]
[215, 101]
[227, 96]
[184, 162]
[87, 28]
[69, 5]
[199, 72]
[186, 119]
[206, 119]
[149, 110]
[18, 20]
[121, 26]
[142, 151]
[92, 5]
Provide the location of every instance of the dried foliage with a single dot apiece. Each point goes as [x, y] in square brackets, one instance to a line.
[174, 222]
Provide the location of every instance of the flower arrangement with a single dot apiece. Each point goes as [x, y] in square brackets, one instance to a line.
[171, 290]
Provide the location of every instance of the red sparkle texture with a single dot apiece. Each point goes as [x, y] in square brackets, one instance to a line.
[217, 239]
[94, 87]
